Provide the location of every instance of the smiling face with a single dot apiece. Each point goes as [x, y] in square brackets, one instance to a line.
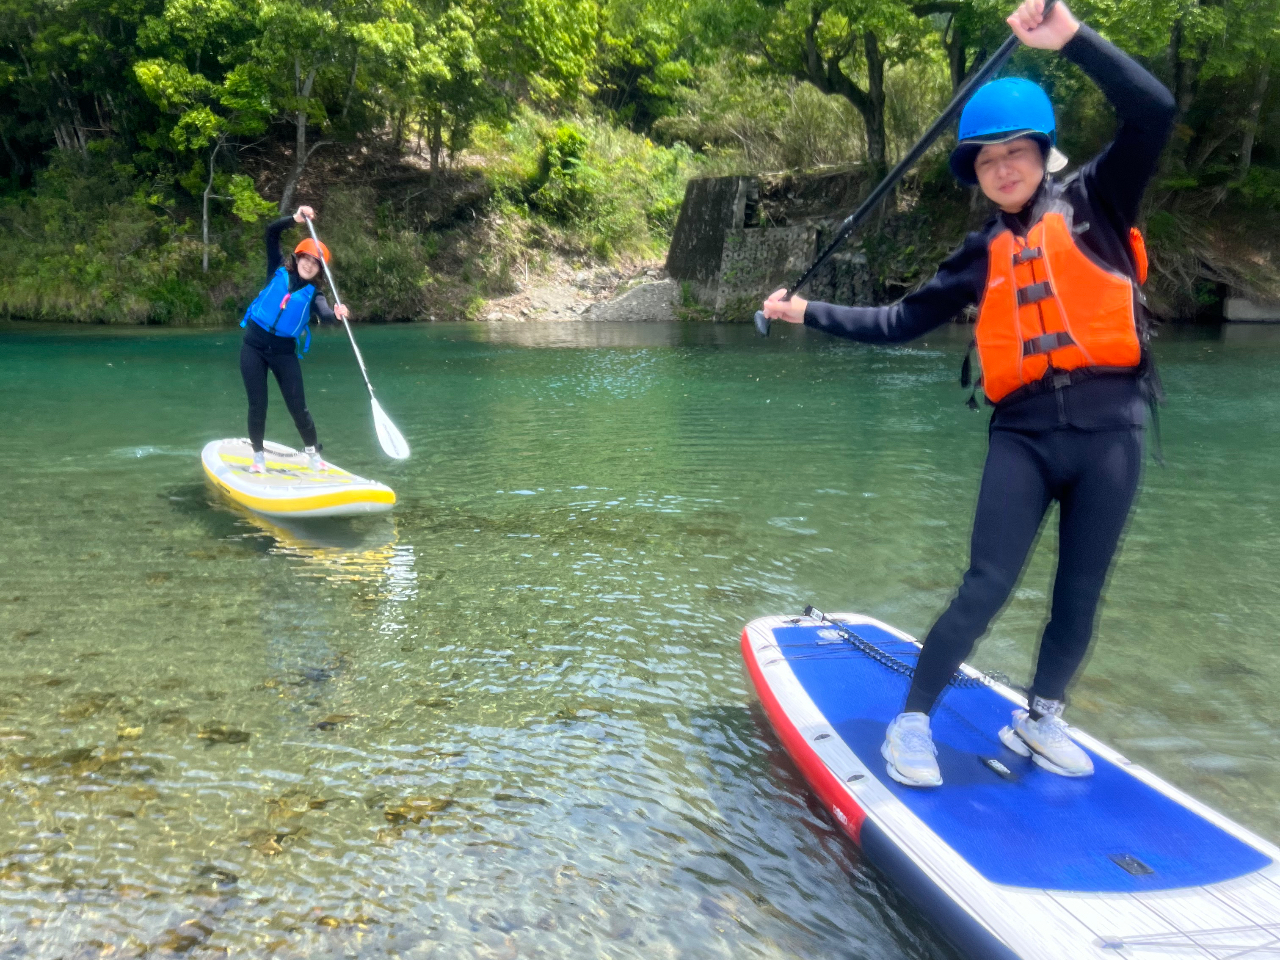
[1009, 173]
[308, 266]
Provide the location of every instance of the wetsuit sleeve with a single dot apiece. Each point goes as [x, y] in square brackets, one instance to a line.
[321, 310]
[958, 283]
[274, 257]
[1119, 174]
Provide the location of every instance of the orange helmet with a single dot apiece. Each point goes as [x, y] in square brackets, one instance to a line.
[308, 246]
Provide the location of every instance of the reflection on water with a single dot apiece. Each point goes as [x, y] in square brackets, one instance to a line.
[582, 333]
[509, 718]
[339, 549]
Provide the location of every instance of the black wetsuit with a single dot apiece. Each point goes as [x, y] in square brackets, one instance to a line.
[1080, 444]
[262, 351]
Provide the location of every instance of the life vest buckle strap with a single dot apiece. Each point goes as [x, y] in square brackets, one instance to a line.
[1034, 293]
[1045, 343]
[1027, 253]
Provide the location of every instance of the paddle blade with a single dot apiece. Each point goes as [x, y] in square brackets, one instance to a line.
[392, 440]
[762, 323]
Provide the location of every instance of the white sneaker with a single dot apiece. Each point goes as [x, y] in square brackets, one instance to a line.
[259, 464]
[315, 461]
[1046, 740]
[908, 748]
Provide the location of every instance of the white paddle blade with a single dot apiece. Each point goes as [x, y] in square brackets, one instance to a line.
[392, 440]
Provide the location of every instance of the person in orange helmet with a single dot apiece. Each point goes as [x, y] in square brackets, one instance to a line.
[278, 333]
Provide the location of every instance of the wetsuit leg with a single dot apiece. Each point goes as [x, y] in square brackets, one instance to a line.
[253, 370]
[1107, 467]
[1015, 493]
[288, 371]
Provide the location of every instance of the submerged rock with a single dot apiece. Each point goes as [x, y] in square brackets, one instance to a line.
[218, 877]
[267, 842]
[416, 809]
[89, 705]
[220, 734]
[184, 937]
[331, 721]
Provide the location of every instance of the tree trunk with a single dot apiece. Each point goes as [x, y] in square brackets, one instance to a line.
[1204, 150]
[877, 141]
[351, 84]
[208, 192]
[437, 136]
[300, 154]
[398, 130]
[957, 58]
[829, 77]
[1251, 121]
[1185, 72]
[19, 168]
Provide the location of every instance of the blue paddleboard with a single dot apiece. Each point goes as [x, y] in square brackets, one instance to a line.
[1007, 859]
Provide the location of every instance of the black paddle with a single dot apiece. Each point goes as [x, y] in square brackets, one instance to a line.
[985, 72]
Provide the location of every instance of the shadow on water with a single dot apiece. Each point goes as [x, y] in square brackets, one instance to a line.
[314, 536]
[781, 849]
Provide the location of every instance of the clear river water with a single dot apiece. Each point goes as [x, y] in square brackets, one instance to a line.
[509, 719]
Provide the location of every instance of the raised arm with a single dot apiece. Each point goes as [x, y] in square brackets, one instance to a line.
[1119, 175]
[274, 229]
[274, 257]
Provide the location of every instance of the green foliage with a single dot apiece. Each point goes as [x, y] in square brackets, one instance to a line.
[1261, 186]
[381, 264]
[566, 187]
[747, 119]
[588, 117]
[91, 245]
[246, 203]
[605, 189]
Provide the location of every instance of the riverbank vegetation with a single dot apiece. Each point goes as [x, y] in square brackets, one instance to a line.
[458, 148]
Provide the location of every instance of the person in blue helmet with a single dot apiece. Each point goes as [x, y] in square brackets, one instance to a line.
[1061, 339]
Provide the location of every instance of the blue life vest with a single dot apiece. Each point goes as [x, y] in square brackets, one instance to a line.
[282, 313]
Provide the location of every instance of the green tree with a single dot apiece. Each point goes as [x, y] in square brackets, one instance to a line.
[204, 112]
[842, 47]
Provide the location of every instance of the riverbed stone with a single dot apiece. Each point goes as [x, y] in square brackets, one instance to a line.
[646, 302]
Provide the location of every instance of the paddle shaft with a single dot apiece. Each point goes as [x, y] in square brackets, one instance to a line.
[851, 223]
[337, 302]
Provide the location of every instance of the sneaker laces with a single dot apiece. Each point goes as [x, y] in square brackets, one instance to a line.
[1052, 730]
[913, 741]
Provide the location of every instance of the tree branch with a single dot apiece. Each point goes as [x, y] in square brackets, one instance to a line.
[931, 7]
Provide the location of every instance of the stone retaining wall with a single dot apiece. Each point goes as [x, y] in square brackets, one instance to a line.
[728, 267]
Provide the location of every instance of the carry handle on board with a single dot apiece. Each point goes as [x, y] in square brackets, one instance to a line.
[392, 440]
[851, 223]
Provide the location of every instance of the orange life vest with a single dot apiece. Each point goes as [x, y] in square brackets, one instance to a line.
[1050, 309]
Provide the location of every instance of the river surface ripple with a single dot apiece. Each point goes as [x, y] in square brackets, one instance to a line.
[510, 719]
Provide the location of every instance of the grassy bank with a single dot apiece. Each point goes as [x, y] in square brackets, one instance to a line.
[95, 242]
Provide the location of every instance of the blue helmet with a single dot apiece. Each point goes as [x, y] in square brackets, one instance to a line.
[1004, 110]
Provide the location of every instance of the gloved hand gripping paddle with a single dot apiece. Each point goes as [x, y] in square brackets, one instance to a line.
[392, 440]
[988, 69]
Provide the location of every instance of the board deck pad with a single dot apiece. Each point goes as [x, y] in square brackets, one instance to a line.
[290, 487]
[1110, 832]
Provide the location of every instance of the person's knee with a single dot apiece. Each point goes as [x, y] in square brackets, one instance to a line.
[985, 589]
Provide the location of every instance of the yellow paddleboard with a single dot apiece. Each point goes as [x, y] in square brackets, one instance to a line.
[290, 488]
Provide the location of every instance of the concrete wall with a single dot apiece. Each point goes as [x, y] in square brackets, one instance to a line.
[712, 207]
[730, 267]
[1248, 311]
